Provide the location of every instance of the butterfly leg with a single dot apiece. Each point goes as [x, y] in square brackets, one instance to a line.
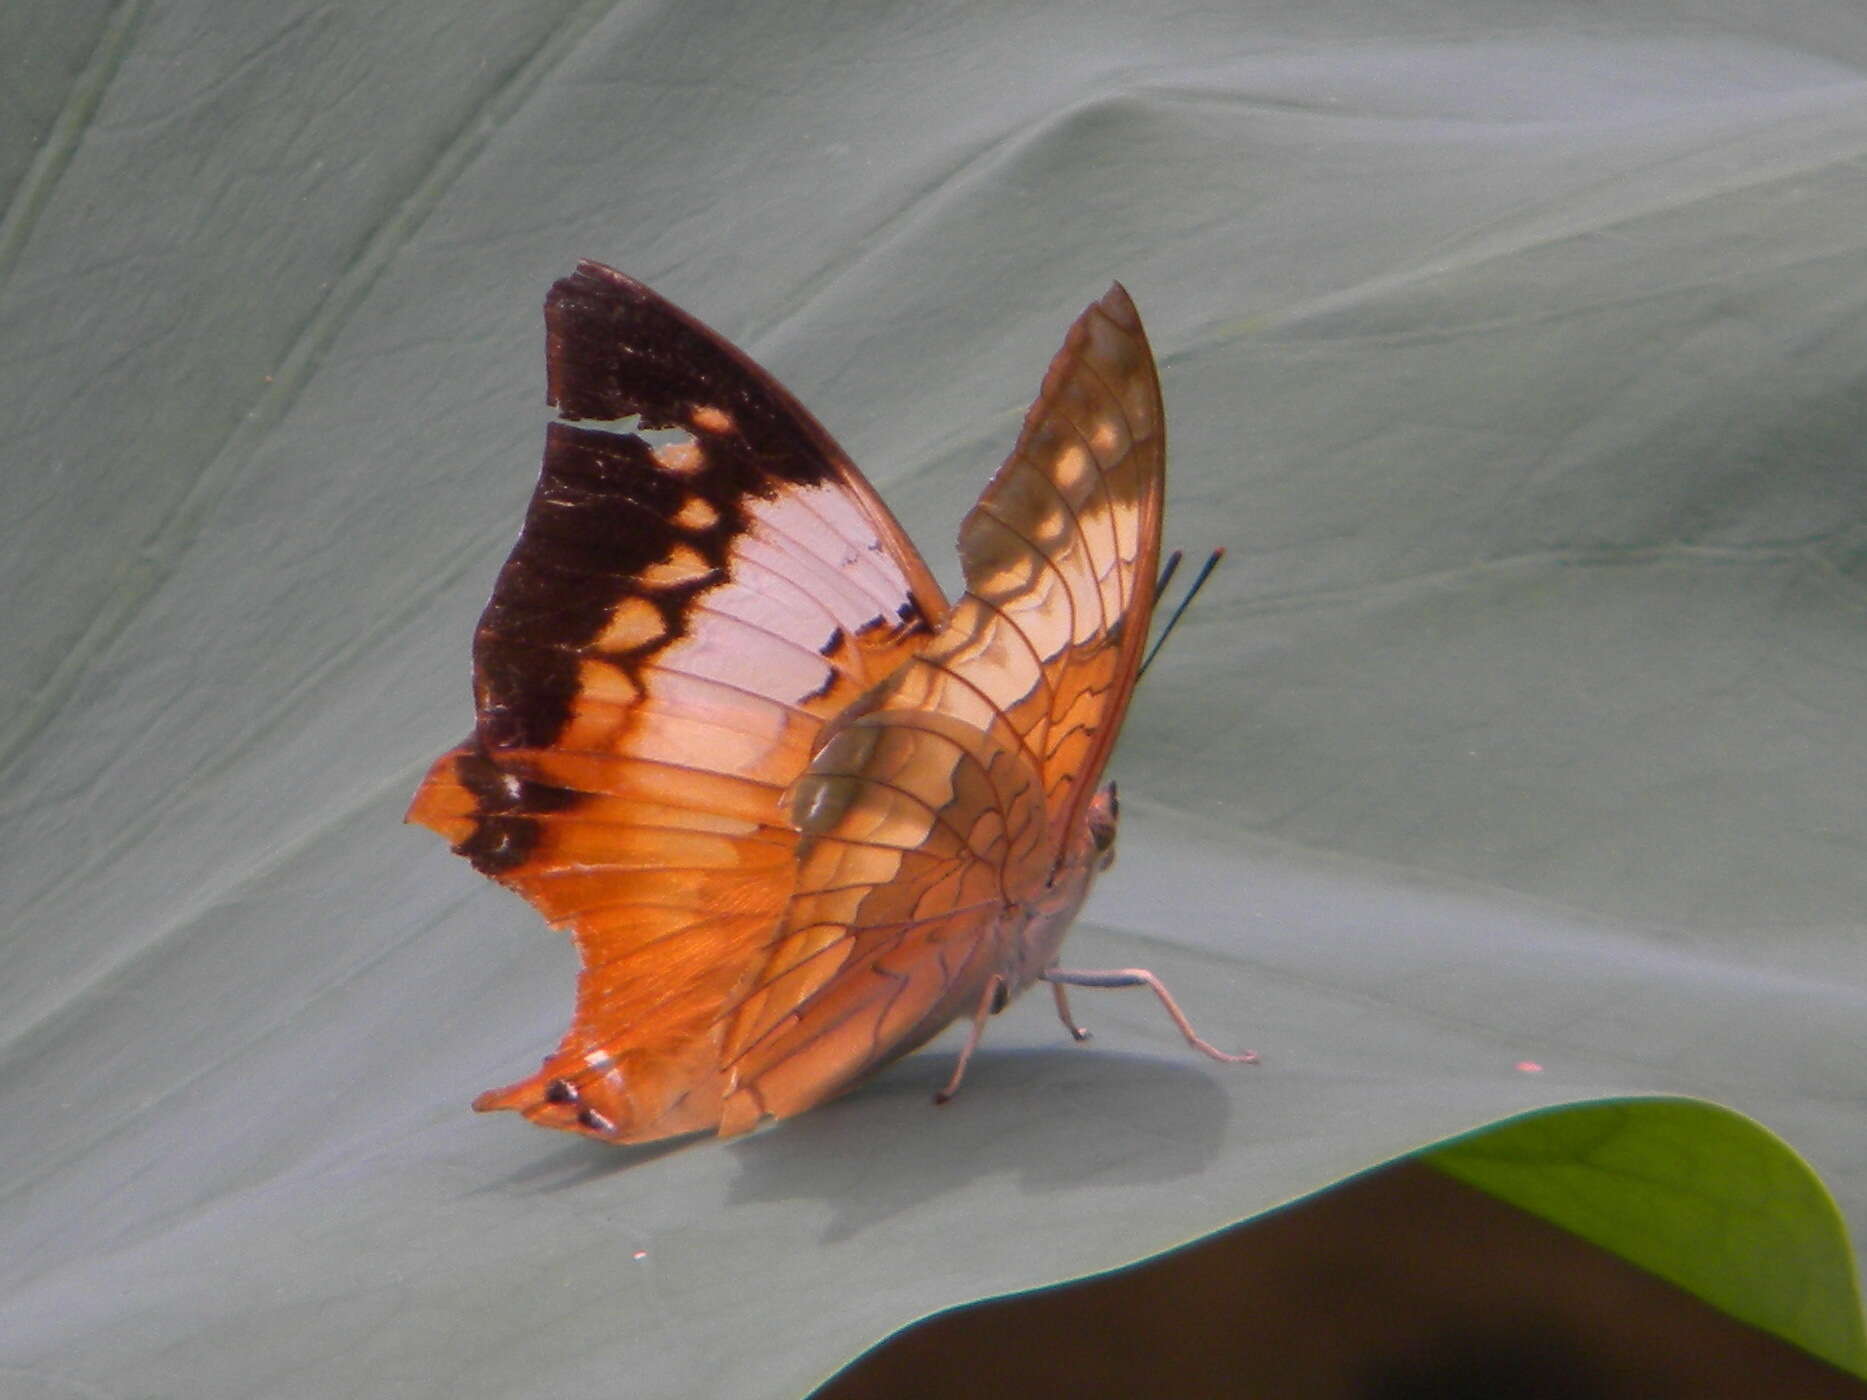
[991, 1001]
[1063, 1012]
[1060, 977]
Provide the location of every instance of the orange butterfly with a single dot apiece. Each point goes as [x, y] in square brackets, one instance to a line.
[797, 812]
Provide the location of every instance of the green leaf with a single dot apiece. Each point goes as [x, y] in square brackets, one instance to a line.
[1701, 1196]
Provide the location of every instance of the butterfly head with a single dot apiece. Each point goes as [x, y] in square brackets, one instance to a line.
[1104, 812]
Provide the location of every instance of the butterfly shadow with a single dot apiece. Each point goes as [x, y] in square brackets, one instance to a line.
[1055, 1118]
[579, 1161]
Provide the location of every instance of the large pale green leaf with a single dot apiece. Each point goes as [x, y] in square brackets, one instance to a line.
[1517, 361]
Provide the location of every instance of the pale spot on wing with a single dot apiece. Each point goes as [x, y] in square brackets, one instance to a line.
[635, 622]
[684, 564]
[606, 683]
[696, 514]
[1075, 468]
[709, 419]
[1098, 419]
[680, 458]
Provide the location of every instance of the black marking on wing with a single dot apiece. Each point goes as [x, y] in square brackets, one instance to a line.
[504, 833]
[615, 348]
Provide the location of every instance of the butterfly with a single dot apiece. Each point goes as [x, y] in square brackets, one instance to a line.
[797, 811]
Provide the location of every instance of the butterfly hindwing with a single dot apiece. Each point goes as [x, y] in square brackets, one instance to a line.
[946, 839]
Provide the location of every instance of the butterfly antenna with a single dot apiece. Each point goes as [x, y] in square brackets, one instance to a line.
[1166, 574]
[1199, 582]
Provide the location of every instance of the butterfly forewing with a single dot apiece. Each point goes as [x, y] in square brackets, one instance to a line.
[673, 629]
